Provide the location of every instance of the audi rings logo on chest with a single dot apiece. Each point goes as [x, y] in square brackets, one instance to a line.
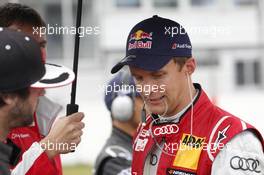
[245, 164]
[166, 129]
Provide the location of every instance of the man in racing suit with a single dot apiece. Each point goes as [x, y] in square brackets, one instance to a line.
[23, 18]
[125, 107]
[23, 77]
[185, 134]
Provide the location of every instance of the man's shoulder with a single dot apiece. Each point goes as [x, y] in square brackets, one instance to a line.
[24, 132]
[219, 117]
[113, 149]
[224, 129]
[242, 155]
[24, 136]
[112, 155]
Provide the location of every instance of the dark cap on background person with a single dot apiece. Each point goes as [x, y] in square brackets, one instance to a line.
[21, 65]
[153, 42]
[20, 60]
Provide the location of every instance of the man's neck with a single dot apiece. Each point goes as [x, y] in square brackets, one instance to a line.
[4, 130]
[186, 101]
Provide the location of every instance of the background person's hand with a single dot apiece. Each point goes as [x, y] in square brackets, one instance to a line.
[64, 136]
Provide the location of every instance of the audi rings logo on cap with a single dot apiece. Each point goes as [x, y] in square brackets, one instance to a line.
[245, 164]
[166, 129]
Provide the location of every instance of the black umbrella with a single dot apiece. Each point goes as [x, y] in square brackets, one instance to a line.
[72, 107]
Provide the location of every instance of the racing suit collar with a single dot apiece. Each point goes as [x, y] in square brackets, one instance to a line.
[176, 118]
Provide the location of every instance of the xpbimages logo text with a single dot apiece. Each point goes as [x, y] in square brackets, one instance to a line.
[127, 89]
[208, 31]
[58, 146]
[66, 30]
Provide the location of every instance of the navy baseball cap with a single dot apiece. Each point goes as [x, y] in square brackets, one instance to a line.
[153, 42]
[21, 65]
[118, 87]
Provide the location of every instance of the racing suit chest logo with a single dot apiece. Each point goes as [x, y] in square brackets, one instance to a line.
[189, 153]
[190, 140]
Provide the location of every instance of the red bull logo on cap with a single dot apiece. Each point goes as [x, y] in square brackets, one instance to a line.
[140, 34]
[137, 44]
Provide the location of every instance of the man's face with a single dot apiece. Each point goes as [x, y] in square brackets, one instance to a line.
[22, 110]
[172, 91]
[28, 29]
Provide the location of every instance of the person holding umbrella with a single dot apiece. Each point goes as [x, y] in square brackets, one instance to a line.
[23, 18]
[23, 77]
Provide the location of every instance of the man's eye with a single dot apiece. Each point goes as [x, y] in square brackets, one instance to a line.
[138, 78]
[158, 75]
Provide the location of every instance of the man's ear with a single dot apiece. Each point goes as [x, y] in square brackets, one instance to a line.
[190, 65]
[9, 99]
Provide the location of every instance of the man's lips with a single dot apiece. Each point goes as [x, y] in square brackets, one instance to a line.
[156, 100]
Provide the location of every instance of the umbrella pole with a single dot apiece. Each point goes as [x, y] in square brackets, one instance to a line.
[73, 107]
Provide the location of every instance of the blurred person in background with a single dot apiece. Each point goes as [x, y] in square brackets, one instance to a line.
[25, 19]
[125, 105]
